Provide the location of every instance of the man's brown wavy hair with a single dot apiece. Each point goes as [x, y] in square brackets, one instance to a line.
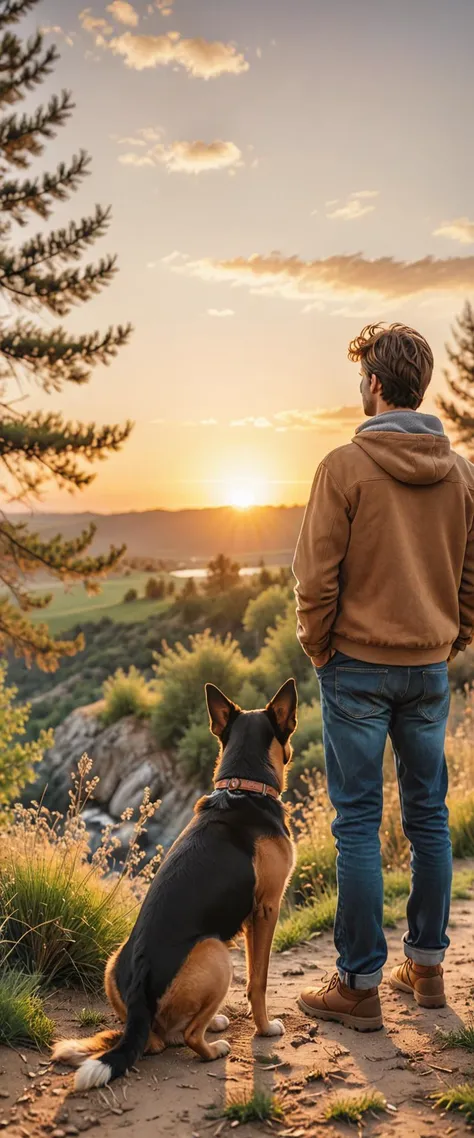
[401, 359]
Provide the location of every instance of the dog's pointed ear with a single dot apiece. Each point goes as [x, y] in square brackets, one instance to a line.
[220, 709]
[283, 706]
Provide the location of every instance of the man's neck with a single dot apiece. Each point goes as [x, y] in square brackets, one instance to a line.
[382, 408]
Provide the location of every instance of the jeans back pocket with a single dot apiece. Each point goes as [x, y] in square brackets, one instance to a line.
[434, 703]
[358, 691]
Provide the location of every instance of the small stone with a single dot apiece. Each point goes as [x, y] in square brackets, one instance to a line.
[72, 1130]
[299, 1040]
[4, 1094]
[297, 970]
[313, 1031]
[58, 1133]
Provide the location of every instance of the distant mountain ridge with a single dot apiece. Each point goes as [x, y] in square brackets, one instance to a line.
[261, 531]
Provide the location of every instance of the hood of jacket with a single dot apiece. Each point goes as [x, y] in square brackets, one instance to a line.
[408, 445]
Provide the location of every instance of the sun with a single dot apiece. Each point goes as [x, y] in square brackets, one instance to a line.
[242, 497]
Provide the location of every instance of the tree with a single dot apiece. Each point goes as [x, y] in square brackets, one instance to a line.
[16, 758]
[154, 589]
[222, 574]
[42, 274]
[461, 383]
[129, 596]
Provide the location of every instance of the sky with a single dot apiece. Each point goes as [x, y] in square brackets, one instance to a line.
[281, 172]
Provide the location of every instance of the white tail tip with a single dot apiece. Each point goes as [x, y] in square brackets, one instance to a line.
[92, 1073]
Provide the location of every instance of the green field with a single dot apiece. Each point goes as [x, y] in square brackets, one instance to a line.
[73, 606]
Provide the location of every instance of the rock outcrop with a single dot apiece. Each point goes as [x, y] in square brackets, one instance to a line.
[126, 758]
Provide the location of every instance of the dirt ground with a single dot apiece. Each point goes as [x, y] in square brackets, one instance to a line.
[176, 1094]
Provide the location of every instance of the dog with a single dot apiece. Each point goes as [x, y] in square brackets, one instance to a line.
[226, 873]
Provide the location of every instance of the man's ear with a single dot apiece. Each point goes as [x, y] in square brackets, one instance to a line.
[219, 708]
[283, 706]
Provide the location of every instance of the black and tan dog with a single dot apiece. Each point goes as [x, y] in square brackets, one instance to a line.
[226, 872]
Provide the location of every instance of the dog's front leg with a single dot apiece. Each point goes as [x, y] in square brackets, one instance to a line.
[259, 931]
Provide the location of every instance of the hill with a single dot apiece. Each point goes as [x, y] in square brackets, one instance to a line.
[261, 531]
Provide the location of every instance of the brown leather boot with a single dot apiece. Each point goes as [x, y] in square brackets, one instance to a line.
[356, 1008]
[425, 983]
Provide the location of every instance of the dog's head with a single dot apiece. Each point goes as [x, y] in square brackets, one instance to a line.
[256, 742]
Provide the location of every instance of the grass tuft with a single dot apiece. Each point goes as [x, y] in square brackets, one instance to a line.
[257, 1107]
[89, 1017]
[348, 1109]
[462, 1038]
[23, 1020]
[460, 1098]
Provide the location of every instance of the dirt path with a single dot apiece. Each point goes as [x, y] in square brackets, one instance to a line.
[174, 1094]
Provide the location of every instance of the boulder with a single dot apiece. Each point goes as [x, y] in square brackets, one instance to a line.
[126, 758]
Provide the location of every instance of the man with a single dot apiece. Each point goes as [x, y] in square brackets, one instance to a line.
[384, 567]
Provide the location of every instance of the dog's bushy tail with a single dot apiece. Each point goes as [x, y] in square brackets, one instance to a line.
[74, 1051]
[115, 1062]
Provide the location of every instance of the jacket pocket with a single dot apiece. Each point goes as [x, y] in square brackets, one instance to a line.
[358, 691]
[434, 703]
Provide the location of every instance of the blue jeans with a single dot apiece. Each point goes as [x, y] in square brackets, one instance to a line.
[362, 704]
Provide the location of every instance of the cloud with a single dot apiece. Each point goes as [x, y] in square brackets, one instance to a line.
[222, 312]
[124, 13]
[165, 7]
[132, 159]
[203, 59]
[353, 208]
[194, 157]
[188, 157]
[460, 229]
[323, 419]
[343, 275]
[260, 422]
[92, 23]
[55, 30]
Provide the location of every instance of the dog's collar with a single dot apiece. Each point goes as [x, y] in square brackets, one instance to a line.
[247, 784]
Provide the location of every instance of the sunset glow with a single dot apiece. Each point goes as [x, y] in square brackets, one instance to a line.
[254, 237]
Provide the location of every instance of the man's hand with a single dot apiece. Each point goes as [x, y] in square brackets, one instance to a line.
[452, 655]
[321, 661]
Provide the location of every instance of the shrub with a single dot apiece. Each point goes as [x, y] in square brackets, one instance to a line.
[23, 1020]
[17, 759]
[197, 752]
[282, 656]
[126, 693]
[180, 677]
[129, 596]
[256, 1107]
[262, 612]
[62, 914]
[351, 1108]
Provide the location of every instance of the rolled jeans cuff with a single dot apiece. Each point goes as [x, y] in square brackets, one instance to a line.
[428, 957]
[362, 982]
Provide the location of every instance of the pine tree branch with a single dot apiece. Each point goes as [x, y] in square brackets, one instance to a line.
[62, 244]
[38, 195]
[40, 446]
[22, 138]
[12, 11]
[33, 642]
[57, 292]
[56, 357]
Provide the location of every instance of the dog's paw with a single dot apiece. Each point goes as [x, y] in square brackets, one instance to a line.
[275, 1027]
[220, 1048]
[219, 1023]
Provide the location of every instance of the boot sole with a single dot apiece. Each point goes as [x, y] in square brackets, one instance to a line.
[357, 1023]
[422, 1001]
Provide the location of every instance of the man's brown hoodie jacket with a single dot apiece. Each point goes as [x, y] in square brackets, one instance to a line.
[384, 563]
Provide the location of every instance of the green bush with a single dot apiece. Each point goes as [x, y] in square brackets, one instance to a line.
[181, 674]
[129, 596]
[197, 752]
[282, 657]
[17, 759]
[23, 1020]
[262, 612]
[126, 693]
[155, 589]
